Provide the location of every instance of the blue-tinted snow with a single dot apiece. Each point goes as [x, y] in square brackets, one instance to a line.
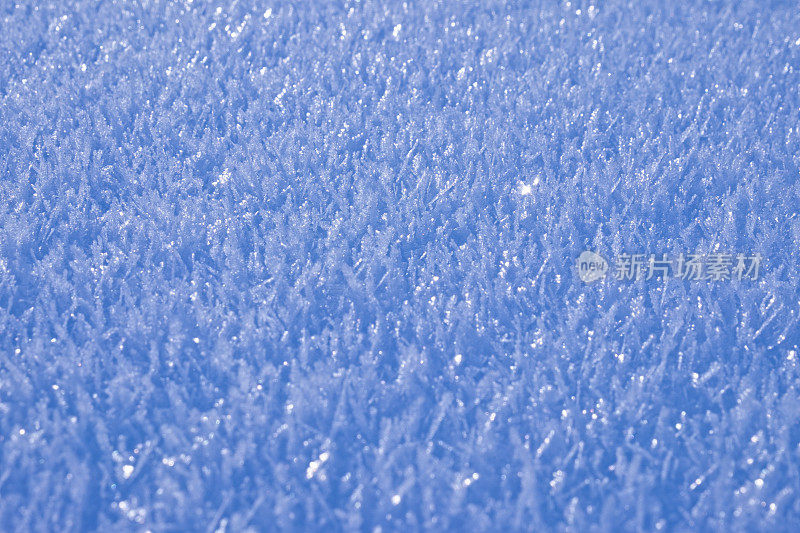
[310, 265]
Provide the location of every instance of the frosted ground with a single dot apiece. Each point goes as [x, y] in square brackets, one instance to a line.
[311, 265]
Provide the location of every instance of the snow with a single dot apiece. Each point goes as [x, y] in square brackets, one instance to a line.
[311, 267]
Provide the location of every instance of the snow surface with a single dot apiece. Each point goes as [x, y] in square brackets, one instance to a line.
[311, 265]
